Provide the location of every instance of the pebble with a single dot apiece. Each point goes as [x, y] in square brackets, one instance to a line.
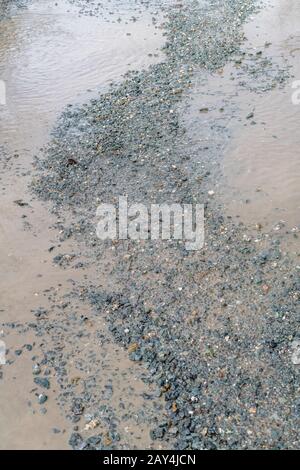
[42, 382]
[295, 347]
[36, 370]
[42, 398]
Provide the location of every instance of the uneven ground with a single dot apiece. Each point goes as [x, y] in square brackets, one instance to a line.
[8, 6]
[211, 333]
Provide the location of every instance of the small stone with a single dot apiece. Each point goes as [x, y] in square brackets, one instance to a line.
[92, 424]
[107, 441]
[76, 441]
[265, 288]
[133, 347]
[173, 431]
[36, 370]
[174, 407]
[296, 352]
[77, 408]
[20, 202]
[42, 398]
[42, 382]
[157, 433]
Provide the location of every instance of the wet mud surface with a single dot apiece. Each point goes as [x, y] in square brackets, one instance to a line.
[145, 344]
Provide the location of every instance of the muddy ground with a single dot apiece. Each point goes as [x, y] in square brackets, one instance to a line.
[146, 344]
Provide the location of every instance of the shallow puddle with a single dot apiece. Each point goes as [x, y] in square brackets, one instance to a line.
[50, 56]
[262, 163]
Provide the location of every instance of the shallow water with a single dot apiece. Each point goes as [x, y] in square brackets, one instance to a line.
[262, 163]
[50, 56]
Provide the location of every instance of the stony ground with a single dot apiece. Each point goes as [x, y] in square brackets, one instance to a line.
[9, 6]
[216, 331]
